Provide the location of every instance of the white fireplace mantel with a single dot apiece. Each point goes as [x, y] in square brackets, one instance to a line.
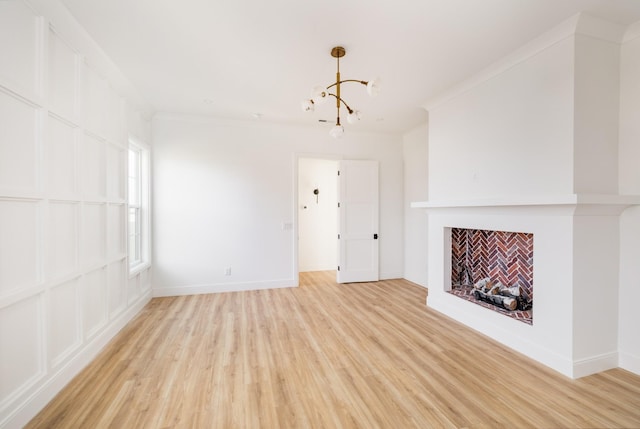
[622, 201]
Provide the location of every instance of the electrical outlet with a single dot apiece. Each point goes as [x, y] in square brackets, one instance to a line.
[227, 271]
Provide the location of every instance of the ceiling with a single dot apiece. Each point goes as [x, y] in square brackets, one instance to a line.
[247, 58]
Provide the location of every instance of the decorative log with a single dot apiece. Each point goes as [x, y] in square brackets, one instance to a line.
[494, 290]
[510, 303]
[511, 298]
[484, 283]
[503, 301]
[518, 293]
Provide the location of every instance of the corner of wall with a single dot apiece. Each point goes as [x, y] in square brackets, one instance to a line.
[416, 188]
[629, 183]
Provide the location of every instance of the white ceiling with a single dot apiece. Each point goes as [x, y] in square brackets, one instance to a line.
[235, 58]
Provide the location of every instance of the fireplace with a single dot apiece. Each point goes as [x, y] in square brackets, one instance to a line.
[494, 269]
[576, 274]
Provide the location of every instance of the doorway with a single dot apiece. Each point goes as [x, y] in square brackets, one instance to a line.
[317, 214]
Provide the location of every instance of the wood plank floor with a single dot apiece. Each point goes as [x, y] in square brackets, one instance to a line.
[367, 355]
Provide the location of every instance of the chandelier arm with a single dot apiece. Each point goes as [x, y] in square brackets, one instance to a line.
[349, 109]
[364, 82]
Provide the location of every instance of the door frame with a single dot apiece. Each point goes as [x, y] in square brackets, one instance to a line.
[296, 204]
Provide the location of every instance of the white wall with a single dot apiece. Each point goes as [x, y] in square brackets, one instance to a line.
[629, 151]
[64, 287]
[415, 155]
[597, 89]
[224, 195]
[317, 216]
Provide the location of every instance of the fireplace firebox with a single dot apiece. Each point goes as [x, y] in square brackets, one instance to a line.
[494, 269]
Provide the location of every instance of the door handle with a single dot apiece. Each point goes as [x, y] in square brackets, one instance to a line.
[375, 236]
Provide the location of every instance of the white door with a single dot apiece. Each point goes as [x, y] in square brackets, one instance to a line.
[357, 221]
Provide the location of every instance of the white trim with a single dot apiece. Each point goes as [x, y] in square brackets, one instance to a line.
[629, 362]
[145, 204]
[632, 33]
[297, 156]
[391, 275]
[264, 123]
[79, 39]
[223, 287]
[545, 41]
[138, 268]
[580, 23]
[533, 200]
[594, 364]
[598, 28]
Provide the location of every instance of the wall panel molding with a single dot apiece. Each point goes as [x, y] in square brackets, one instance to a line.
[64, 323]
[63, 77]
[61, 158]
[64, 284]
[21, 45]
[23, 354]
[20, 255]
[21, 137]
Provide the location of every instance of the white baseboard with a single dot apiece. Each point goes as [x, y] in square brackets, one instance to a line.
[391, 275]
[307, 268]
[223, 287]
[417, 280]
[594, 364]
[240, 286]
[26, 408]
[629, 362]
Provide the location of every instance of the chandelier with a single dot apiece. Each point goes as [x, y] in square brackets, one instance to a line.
[320, 94]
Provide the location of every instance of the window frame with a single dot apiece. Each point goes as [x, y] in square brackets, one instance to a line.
[141, 207]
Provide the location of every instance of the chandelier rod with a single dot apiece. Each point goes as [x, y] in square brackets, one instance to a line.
[349, 109]
[338, 54]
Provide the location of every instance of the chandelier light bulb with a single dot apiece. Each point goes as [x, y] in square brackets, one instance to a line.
[319, 94]
[373, 87]
[354, 117]
[307, 105]
[337, 131]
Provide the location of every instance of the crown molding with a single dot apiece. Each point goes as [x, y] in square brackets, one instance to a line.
[579, 24]
[632, 33]
[63, 23]
[598, 28]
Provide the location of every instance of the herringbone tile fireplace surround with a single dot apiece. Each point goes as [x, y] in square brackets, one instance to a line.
[501, 256]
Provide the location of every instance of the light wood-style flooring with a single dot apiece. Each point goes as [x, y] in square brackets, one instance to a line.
[365, 355]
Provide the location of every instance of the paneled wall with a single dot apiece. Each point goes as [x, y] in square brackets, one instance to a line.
[64, 283]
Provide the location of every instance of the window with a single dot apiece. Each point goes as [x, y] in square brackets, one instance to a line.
[138, 199]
